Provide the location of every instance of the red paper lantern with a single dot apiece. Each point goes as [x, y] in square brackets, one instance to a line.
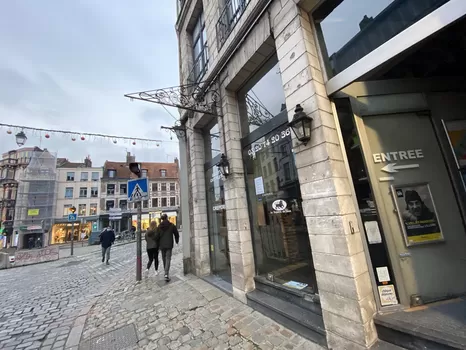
[134, 142]
[73, 138]
[114, 141]
[9, 132]
[47, 136]
[83, 138]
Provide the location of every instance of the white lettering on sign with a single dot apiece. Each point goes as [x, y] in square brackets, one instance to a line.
[398, 155]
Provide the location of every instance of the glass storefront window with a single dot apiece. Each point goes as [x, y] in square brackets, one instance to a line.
[351, 29]
[61, 233]
[263, 99]
[212, 142]
[280, 237]
[456, 131]
[218, 232]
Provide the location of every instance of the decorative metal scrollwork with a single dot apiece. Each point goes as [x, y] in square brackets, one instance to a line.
[191, 97]
[257, 113]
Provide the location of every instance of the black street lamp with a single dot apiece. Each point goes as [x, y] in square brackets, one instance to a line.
[73, 209]
[180, 132]
[135, 168]
[301, 125]
[21, 138]
[224, 165]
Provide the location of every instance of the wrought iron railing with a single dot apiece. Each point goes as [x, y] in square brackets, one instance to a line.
[230, 15]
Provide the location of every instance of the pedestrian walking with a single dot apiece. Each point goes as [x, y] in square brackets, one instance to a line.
[152, 248]
[164, 237]
[107, 237]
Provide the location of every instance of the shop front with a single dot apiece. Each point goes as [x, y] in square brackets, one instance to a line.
[280, 237]
[403, 128]
[61, 232]
[153, 216]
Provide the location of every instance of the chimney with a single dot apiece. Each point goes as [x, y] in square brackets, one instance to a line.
[177, 162]
[130, 158]
[88, 162]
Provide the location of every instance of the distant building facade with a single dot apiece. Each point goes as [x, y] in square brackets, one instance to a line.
[12, 166]
[35, 204]
[163, 188]
[79, 187]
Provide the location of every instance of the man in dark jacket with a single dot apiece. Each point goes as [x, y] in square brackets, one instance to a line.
[164, 237]
[107, 237]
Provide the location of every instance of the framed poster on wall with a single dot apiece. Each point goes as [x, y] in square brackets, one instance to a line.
[417, 214]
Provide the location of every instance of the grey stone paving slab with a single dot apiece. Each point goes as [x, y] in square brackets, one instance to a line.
[118, 339]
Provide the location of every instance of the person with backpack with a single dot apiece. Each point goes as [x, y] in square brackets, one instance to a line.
[164, 237]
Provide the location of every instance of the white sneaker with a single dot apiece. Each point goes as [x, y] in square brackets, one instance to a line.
[146, 273]
[156, 273]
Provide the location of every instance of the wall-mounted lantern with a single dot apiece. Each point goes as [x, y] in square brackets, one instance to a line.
[224, 165]
[301, 125]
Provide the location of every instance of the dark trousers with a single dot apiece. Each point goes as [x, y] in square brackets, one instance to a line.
[166, 258]
[153, 254]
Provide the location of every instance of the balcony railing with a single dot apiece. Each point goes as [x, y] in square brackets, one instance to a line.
[8, 161]
[230, 15]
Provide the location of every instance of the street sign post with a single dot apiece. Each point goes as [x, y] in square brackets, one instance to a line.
[72, 218]
[137, 192]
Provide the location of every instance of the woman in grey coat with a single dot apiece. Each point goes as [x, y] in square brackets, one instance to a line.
[152, 248]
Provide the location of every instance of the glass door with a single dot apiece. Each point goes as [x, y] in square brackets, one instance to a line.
[280, 237]
[218, 233]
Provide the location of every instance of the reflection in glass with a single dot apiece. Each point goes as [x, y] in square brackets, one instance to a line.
[263, 101]
[212, 143]
[456, 131]
[218, 233]
[280, 237]
[355, 28]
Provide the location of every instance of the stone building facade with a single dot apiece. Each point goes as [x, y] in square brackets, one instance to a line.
[309, 226]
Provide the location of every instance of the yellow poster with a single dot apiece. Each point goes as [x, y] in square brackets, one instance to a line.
[33, 212]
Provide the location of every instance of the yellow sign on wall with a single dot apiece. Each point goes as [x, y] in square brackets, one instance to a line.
[33, 212]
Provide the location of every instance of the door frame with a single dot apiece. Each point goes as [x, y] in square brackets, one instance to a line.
[358, 93]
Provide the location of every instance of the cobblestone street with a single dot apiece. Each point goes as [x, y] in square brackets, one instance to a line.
[79, 303]
[40, 303]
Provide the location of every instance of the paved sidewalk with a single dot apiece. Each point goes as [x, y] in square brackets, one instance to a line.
[187, 313]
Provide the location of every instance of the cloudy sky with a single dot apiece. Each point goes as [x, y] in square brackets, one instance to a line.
[67, 64]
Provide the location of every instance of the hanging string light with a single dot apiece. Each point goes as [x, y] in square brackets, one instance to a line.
[83, 136]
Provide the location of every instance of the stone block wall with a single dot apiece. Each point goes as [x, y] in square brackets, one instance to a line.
[239, 232]
[343, 280]
[199, 224]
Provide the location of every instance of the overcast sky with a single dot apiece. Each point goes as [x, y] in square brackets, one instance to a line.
[67, 64]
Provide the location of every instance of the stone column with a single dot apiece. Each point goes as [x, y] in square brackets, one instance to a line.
[239, 232]
[199, 225]
[341, 269]
[184, 203]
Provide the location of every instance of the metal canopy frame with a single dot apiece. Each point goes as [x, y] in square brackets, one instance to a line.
[190, 97]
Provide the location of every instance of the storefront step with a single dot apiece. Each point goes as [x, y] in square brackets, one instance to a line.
[440, 326]
[297, 297]
[298, 319]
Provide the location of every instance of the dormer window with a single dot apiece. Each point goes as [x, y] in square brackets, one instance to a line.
[163, 173]
[111, 173]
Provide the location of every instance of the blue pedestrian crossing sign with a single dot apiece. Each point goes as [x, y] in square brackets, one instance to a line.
[138, 190]
[72, 217]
